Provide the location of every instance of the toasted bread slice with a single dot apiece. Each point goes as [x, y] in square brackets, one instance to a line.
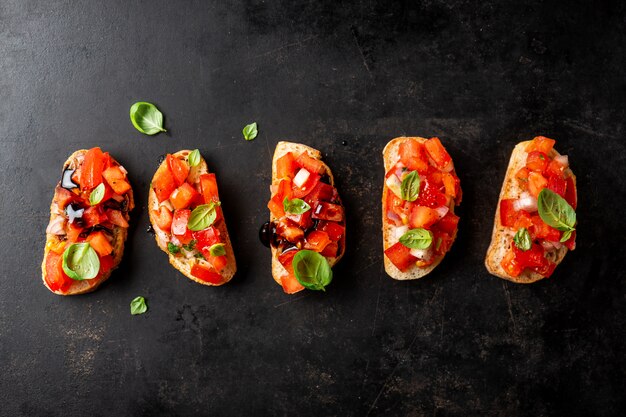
[119, 237]
[502, 236]
[391, 154]
[296, 148]
[162, 237]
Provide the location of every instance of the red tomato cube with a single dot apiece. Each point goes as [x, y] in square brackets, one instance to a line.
[206, 274]
[541, 144]
[184, 196]
[437, 153]
[400, 256]
[412, 156]
[179, 169]
[423, 217]
[163, 183]
[310, 164]
[286, 166]
[537, 161]
[316, 240]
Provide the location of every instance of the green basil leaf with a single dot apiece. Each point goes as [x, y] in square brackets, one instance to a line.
[146, 118]
[191, 245]
[555, 211]
[172, 248]
[312, 270]
[97, 194]
[250, 131]
[80, 261]
[217, 250]
[417, 238]
[566, 235]
[295, 206]
[194, 158]
[410, 188]
[522, 239]
[199, 256]
[138, 306]
[202, 217]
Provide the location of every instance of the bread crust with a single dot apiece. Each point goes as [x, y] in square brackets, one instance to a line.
[181, 263]
[391, 155]
[119, 237]
[283, 148]
[501, 236]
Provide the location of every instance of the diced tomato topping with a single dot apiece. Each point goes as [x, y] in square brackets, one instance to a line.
[117, 218]
[400, 256]
[330, 251]
[206, 274]
[412, 156]
[523, 219]
[557, 184]
[55, 277]
[73, 231]
[522, 177]
[286, 166]
[437, 153]
[511, 265]
[163, 218]
[100, 243]
[555, 169]
[184, 196]
[570, 193]
[276, 202]
[310, 164]
[316, 240]
[163, 183]
[442, 244]
[93, 216]
[307, 187]
[398, 207]
[571, 242]
[116, 179]
[63, 197]
[451, 184]
[321, 192]
[429, 195]
[328, 211]
[106, 264]
[423, 217]
[292, 233]
[335, 230]
[179, 169]
[206, 238]
[208, 185]
[507, 212]
[448, 223]
[179, 226]
[303, 221]
[289, 282]
[532, 258]
[217, 262]
[537, 161]
[540, 230]
[94, 163]
[536, 183]
[541, 144]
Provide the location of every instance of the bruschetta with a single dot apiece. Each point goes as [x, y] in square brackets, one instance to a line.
[88, 223]
[535, 220]
[307, 227]
[420, 193]
[188, 221]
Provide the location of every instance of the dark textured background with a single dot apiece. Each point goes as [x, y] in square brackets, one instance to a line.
[480, 75]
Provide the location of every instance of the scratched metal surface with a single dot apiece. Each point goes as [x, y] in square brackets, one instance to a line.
[481, 76]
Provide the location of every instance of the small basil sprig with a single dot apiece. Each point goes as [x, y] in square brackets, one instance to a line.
[172, 248]
[97, 194]
[556, 212]
[312, 270]
[217, 250]
[410, 187]
[191, 245]
[250, 131]
[417, 238]
[80, 261]
[522, 239]
[295, 206]
[202, 216]
[138, 306]
[146, 118]
[194, 158]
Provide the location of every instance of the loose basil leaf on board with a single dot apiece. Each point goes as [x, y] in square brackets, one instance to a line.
[172, 248]
[97, 194]
[194, 158]
[250, 131]
[555, 211]
[80, 261]
[217, 250]
[417, 238]
[312, 270]
[522, 239]
[202, 217]
[410, 187]
[138, 306]
[295, 206]
[146, 118]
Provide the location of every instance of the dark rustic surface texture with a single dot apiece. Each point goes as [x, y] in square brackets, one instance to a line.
[344, 79]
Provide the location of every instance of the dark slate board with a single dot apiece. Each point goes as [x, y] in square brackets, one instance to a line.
[480, 75]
